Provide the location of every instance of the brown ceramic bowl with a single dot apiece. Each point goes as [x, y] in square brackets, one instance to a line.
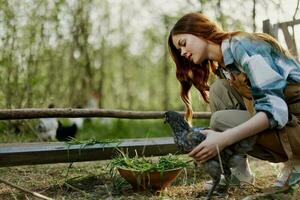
[149, 180]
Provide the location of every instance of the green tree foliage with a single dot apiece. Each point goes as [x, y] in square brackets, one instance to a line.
[64, 51]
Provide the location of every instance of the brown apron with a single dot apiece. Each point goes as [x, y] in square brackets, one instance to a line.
[290, 134]
[275, 145]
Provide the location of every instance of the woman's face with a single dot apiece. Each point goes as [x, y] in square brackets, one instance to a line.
[191, 47]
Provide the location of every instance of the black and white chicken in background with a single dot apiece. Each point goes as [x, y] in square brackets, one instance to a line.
[187, 138]
[55, 130]
[52, 128]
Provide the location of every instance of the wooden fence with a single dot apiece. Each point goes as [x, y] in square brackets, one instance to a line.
[273, 29]
[15, 154]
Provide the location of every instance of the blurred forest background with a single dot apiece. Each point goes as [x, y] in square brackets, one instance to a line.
[106, 53]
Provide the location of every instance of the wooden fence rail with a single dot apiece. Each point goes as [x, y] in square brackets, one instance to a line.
[59, 152]
[31, 113]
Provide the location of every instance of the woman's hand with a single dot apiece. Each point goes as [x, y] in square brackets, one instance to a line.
[208, 148]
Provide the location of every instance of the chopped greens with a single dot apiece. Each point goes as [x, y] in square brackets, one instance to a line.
[142, 164]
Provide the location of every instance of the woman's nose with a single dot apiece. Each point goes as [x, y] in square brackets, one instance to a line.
[183, 51]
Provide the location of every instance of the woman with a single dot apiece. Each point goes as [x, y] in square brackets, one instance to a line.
[258, 95]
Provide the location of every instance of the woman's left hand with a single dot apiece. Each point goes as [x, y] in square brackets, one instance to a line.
[208, 148]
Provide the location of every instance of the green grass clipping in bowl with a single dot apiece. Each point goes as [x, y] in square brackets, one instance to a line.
[142, 164]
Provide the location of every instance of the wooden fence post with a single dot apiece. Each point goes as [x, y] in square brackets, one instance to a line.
[270, 29]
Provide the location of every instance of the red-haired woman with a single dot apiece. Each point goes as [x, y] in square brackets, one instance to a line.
[258, 92]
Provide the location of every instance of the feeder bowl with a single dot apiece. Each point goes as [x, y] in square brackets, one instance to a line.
[154, 181]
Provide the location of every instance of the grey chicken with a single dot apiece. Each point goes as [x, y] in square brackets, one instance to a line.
[187, 138]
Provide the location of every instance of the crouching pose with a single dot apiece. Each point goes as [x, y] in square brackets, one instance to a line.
[257, 93]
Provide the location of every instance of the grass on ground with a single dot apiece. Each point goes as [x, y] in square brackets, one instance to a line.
[91, 180]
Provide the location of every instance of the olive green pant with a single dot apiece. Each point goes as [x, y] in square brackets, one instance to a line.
[228, 110]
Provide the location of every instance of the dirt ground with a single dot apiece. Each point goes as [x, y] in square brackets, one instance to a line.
[91, 180]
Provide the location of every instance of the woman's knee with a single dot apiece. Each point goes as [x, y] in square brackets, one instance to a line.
[216, 120]
[224, 119]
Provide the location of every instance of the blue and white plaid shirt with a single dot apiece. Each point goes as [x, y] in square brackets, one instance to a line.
[268, 71]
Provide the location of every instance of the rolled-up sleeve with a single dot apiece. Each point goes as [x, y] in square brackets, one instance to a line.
[267, 84]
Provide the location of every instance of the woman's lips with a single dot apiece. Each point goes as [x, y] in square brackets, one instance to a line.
[189, 57]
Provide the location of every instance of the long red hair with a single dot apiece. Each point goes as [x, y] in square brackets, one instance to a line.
[190, 74]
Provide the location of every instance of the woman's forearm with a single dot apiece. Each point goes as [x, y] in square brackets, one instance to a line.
[254, 125]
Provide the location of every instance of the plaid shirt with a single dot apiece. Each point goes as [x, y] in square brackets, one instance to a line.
[268, 71]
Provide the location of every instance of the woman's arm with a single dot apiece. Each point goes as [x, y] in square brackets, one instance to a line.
[208, 148]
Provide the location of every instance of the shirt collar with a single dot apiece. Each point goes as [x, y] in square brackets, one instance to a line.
[226, 51]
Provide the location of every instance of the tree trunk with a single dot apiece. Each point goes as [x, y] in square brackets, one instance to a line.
[166, 71]
[254, 16]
